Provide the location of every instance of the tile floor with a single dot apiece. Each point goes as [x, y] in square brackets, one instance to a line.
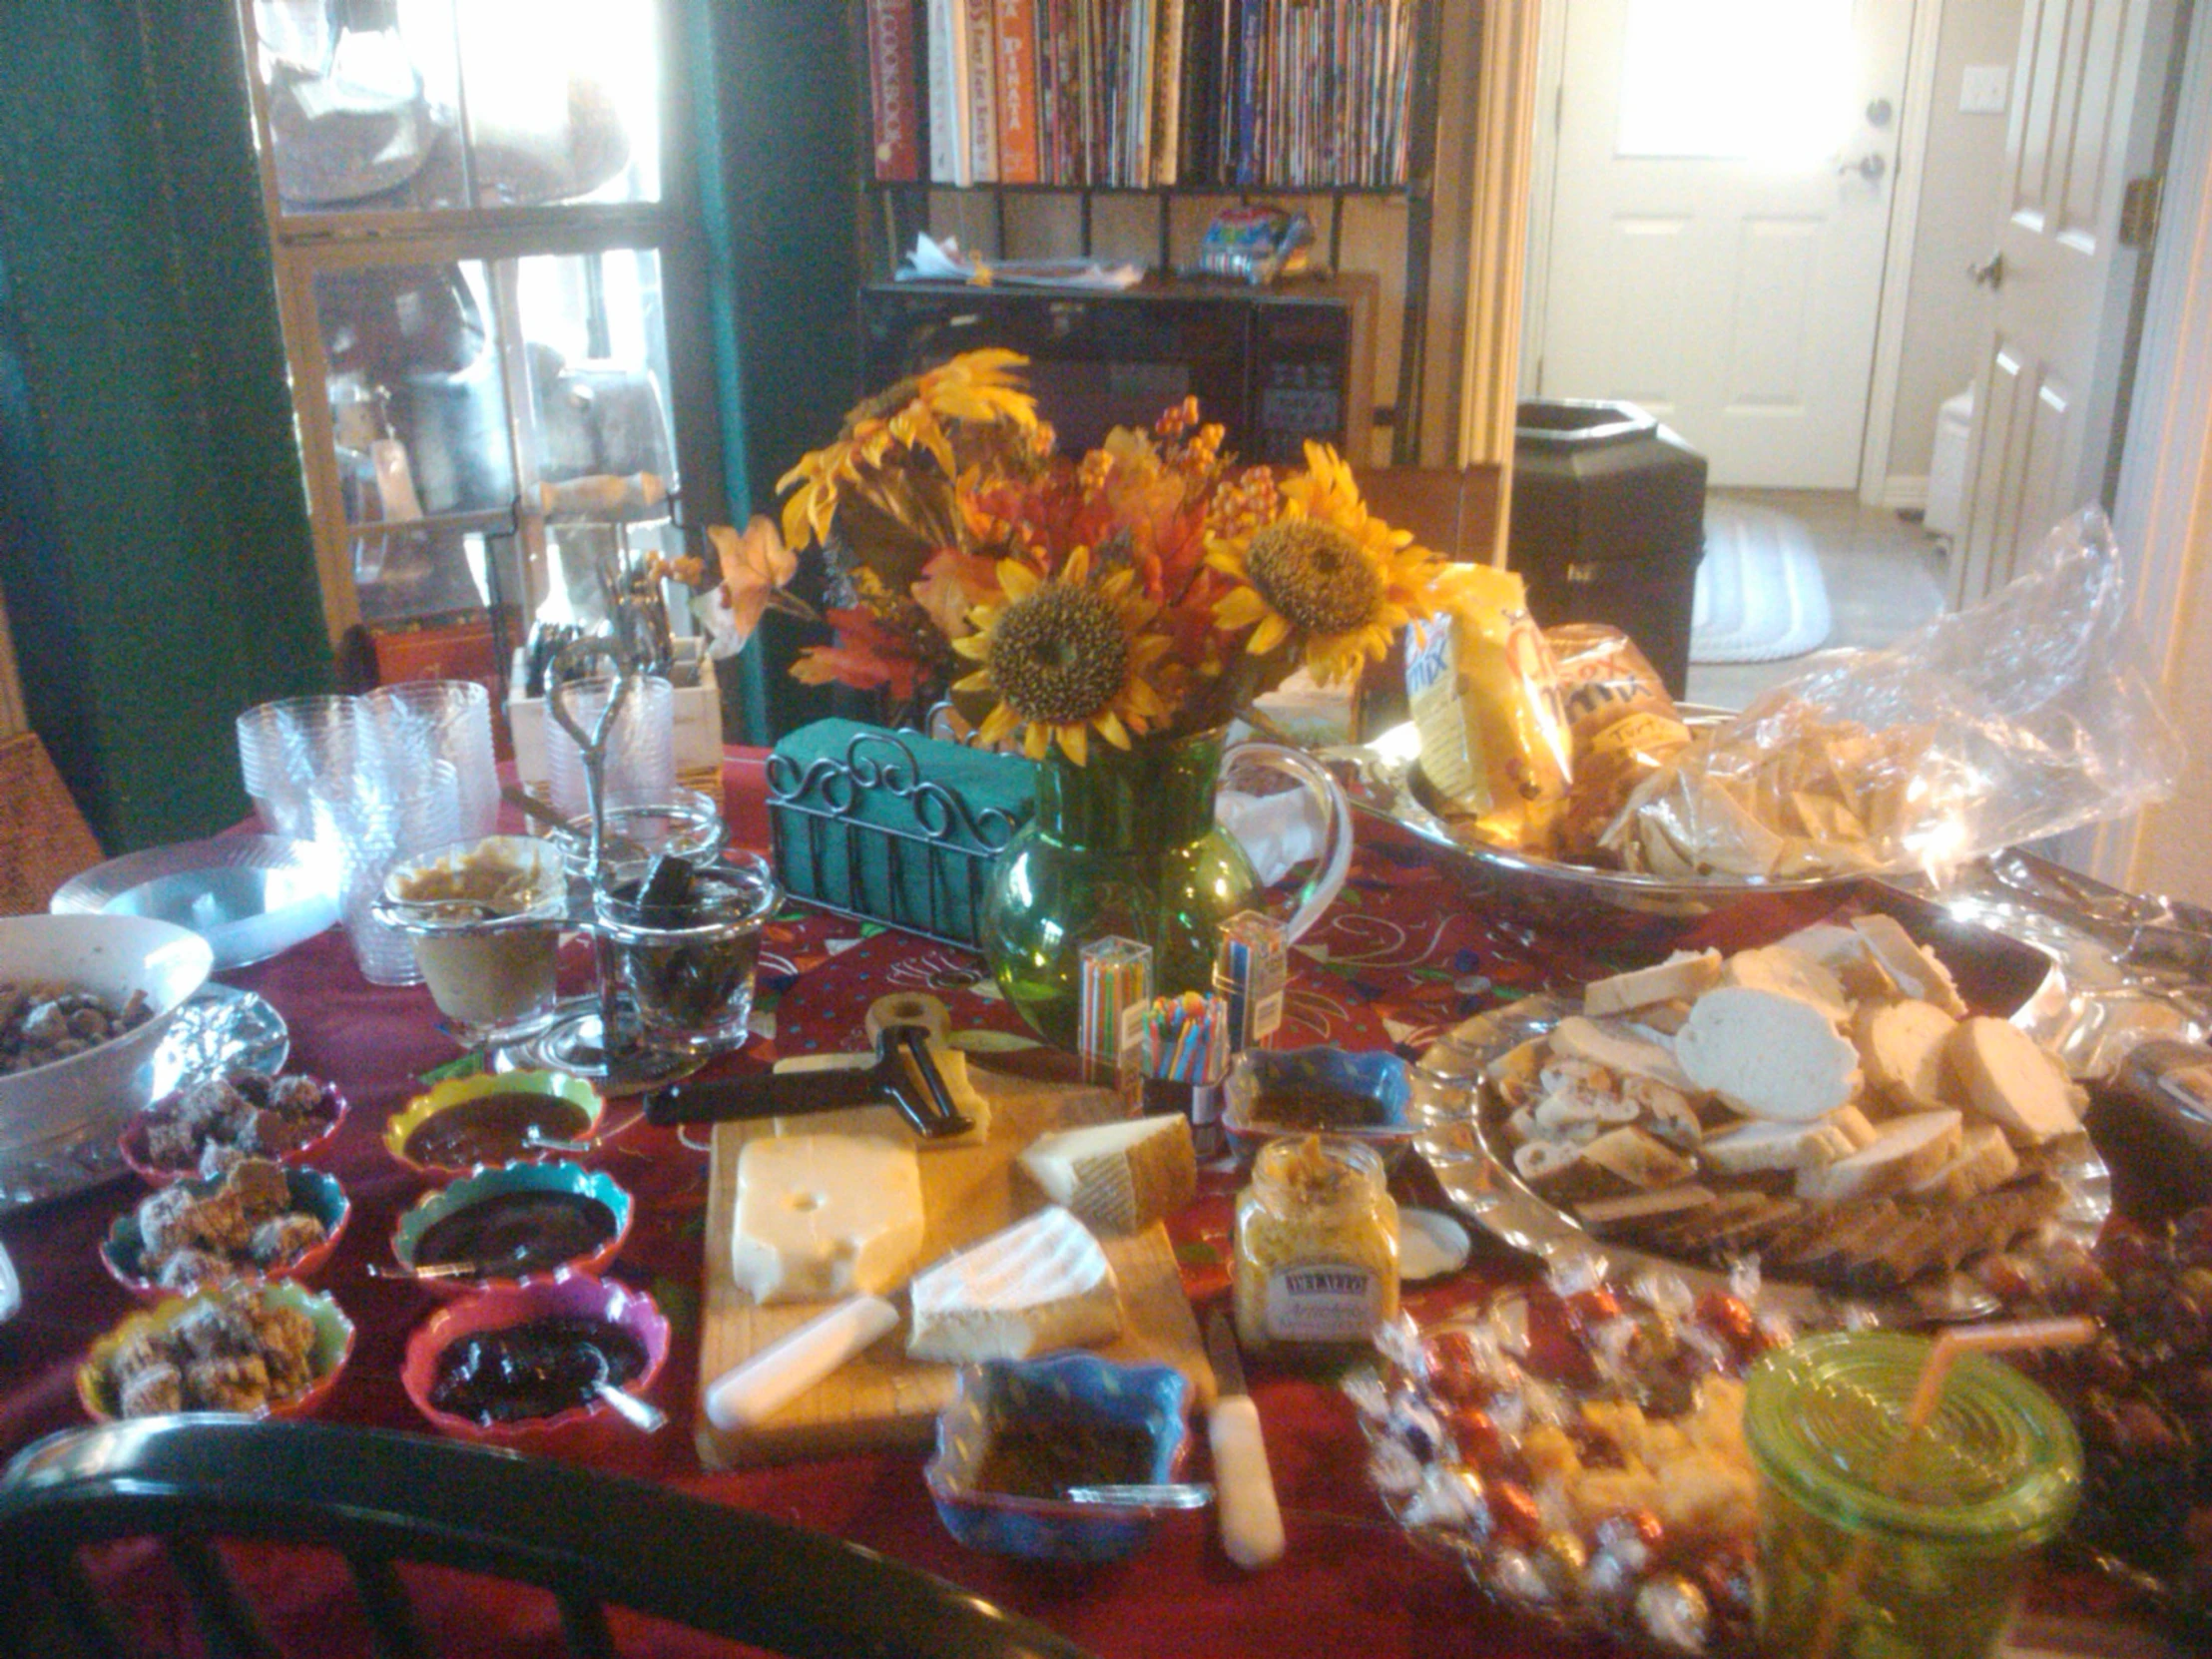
[1884, 577]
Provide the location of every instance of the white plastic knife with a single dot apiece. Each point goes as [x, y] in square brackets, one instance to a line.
[1244, 1489]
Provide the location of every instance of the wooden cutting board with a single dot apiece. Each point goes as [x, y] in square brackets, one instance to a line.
[881, 1398]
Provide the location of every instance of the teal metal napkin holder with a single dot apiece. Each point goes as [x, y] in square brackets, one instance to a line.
[894, 827]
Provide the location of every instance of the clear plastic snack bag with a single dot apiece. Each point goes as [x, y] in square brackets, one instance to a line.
[2025, 716]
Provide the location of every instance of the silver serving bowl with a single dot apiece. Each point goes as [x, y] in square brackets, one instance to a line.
[250, 896]
[1608, 913]
[59, 1121]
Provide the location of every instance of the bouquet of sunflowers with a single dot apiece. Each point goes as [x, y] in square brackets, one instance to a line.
[1152, 587]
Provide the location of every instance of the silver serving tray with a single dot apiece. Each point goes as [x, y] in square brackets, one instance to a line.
[1452, 1103]
[248, 897]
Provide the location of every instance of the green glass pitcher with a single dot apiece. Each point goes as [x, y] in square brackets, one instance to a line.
[1128, 845]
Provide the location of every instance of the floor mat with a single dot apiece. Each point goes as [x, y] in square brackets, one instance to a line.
[1760, 593]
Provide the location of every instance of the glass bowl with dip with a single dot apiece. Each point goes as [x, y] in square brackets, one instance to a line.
[484, 917]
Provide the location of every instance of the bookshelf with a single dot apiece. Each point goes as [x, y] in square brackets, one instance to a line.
[1375, 153]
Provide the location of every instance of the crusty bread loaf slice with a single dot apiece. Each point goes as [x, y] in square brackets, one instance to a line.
[1846, 955]
[1642, 1210]
[2014, 1081]
[1854, 1126]
[1682, 975]
[1757, 1146]
[1901, 1046]
[1917, 974]
[1985, 1160]
[1768, 1055]
[1789, 972]
[1636, 1160]
[1908, 1149]
[1617, 1051]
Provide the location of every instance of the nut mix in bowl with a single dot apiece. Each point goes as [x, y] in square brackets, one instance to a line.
[258, 1220]
[209, 1126]
[59, 1120]
[258, 1351]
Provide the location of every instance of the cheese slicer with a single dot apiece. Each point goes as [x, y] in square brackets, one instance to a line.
[903, 1073]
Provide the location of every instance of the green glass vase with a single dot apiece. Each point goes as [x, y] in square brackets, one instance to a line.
[1127, 845]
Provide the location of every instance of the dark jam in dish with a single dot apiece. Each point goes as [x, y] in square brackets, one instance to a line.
[511, 1234]
[492, 1129]
[1314, 1107]
[1043, 1454]
[536, 1369]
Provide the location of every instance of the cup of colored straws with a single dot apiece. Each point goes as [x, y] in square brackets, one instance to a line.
[1187, 1049]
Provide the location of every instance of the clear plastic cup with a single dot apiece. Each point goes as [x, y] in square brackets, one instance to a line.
[690, 974]
[1872, 1550]
[373, 819]
[286, 746]
[641, 746]
[451, 719]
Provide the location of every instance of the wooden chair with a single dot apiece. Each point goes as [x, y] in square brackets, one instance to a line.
[378, 1500]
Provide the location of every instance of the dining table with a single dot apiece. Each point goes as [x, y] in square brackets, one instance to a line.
[1399, 961]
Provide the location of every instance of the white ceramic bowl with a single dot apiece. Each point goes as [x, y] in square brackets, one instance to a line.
[59, 1121]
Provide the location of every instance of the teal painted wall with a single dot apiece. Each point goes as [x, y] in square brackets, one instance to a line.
[155, 550]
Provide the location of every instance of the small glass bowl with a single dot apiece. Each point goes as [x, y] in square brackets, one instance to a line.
[488, 944]
[689, 827]
[1150, 1398]
[1364, 1096]
[691, 982]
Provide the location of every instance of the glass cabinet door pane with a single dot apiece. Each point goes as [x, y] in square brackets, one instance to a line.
[369, 101]
[1740, 80]
[597, 356]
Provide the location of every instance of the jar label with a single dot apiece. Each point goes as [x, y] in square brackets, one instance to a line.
[1322, 1302]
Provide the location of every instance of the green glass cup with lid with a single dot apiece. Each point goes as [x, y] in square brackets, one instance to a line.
[1874, 1544]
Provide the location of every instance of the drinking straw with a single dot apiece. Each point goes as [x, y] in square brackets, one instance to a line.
[2012, 1337]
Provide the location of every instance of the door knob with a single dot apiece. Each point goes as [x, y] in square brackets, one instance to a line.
[1879, 113]
[1869, 166]
[1988, 272]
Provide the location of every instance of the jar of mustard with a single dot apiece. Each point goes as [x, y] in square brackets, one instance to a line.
[1317, 1245]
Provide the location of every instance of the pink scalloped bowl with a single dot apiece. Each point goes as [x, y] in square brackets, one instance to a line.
[334, 1346]
[131, 1142]
[319, 1195]
[573, 1295]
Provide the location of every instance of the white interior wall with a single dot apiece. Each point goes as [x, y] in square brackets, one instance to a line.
[1945, 314]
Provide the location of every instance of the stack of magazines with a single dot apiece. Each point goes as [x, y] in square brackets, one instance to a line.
[1143, 94]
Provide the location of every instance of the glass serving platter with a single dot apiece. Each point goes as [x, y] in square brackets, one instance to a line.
[248, 897]
[1462, 1139]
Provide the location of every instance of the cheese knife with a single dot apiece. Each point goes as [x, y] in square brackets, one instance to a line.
[1243, 1489]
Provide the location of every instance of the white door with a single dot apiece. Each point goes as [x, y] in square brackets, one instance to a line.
[2085, 120]
[1718, 223]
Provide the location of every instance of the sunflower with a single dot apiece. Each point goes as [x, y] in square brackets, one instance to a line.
[977, 388]
[1064, 657]
[1326, 574]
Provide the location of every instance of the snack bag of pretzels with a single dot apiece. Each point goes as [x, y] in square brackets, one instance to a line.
[1621, 722]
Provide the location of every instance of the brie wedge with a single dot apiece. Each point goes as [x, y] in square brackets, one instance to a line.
[821, 1215]
[1042, 1282]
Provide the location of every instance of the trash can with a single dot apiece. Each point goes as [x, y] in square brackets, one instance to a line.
[1608, 525]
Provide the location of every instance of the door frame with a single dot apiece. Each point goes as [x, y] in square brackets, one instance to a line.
[1879, 413]
[2162, 514]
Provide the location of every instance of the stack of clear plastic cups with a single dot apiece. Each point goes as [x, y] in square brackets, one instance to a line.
[286, 746]
[451, 721]
[371, 818]
[641, 746]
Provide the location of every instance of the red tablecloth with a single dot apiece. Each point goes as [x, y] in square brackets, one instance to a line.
[1395, 962]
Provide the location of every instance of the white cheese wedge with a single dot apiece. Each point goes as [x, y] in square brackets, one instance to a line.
[1043, 1283]
[1118, 1177]
[1908, 1150]
[1683, 974]
[821, 1215]
[1757, 1146]
[2014, 1081]
[1768, 1055]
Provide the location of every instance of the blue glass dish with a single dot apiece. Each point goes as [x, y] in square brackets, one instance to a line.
[1047, 1529]
[1371, 1093]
